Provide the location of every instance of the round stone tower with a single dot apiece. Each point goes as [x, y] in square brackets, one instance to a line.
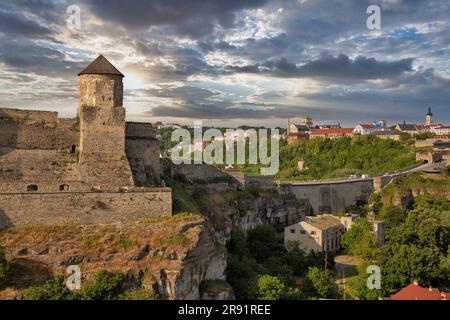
[102, 126]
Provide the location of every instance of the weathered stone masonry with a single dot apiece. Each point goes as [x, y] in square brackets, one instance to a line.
[95, 168]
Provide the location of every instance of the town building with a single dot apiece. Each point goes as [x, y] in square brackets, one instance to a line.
[298, 136]
[323, 232]
[368, 128]
[363, 129]
[441, 130]
[331, 133]
[415, 292]
[387, 134]
[408, 128]
[329, 126]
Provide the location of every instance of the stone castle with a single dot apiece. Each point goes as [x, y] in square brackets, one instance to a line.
[94, 168]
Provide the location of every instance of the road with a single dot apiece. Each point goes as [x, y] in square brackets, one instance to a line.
[344, 180]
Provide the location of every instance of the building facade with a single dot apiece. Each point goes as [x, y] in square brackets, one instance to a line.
[323, 232]
[331, 133]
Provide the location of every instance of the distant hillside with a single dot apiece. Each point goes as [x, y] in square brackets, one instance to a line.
[338, 158]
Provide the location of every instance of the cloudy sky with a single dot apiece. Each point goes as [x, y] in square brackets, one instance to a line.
[234, 62]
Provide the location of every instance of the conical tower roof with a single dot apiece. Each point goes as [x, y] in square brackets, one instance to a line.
[101, 65]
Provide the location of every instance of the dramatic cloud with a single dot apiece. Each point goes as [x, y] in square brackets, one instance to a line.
[234, 62]
[187, 18]
[331, 67]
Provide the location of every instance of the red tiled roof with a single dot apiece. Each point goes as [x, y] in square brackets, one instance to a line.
[366, 125]
[331, 131]
[416, 292]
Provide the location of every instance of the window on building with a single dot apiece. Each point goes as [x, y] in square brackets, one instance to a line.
[32, 187]
[64, 187]
[292, 230]
[302, 231]
[73, 148]
[313, 232]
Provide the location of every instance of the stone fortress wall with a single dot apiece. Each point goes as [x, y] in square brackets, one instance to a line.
[83, 207]
[55, 170]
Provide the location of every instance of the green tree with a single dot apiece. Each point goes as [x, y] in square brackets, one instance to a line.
[238, 243]
[53, 289]
[276, 267]
[325, 158]
[296, 259]
[321, 282]
[263, 242]
[403, 263]
[360, 240]
[358, 285]
[392, 216]
[105, 286]
[241, 272]
[269, 288]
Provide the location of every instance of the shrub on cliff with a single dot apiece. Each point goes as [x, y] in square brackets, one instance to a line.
[105, 286]
[139, 294]
[3, 266]
[53, 289]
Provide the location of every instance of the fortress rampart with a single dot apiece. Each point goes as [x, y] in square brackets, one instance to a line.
[83, 207]
[94, 168]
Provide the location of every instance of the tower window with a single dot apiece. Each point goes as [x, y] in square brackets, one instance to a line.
[73, 148]
[64, 187]
[32, 187]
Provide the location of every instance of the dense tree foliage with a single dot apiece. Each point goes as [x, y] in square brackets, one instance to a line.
[269, 288]
[103, 286]
[322, 282]
[360, 240]
[324, 158]
[259, 267]
[416, 248]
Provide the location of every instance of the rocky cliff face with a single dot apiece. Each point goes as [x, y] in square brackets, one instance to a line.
[245, 210]
[172, 255]
[402, 191]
